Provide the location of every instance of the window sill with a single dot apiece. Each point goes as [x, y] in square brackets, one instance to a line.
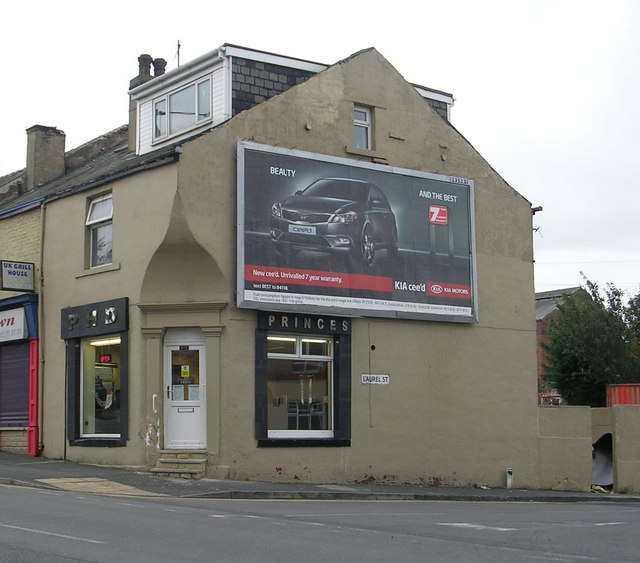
[99, 270]
[99, 442]
[375, 155]
[304, 443]
[190, 131]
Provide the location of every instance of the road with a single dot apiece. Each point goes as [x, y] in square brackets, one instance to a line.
[40, 525]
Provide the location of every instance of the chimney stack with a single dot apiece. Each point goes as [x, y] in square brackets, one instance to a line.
[144, 75]
[45, 154]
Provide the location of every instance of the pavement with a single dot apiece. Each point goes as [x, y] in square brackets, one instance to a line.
[55, 474]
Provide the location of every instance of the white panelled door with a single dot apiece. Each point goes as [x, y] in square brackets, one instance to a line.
[185, 386]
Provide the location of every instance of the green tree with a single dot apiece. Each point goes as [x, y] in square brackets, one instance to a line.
[593, 341]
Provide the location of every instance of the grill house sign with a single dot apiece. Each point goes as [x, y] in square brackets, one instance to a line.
[17, 276]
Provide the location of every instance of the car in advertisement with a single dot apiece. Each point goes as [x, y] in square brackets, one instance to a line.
[336, 215]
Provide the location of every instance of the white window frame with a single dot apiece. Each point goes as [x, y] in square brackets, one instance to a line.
[94, 223]
[166, 98]
[364, 124]
[298, 355]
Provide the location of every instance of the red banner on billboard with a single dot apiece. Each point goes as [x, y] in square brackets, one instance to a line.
[449, 290]
[317, 278]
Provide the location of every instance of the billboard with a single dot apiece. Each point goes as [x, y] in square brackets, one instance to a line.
[322, 234]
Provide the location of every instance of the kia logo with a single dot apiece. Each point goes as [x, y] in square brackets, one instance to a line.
[436, 288]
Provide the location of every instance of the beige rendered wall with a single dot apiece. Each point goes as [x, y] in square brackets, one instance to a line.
[626, 448]
[601, 423]
[461, 404]
[623, 423]
[141, 210]
[565, 448]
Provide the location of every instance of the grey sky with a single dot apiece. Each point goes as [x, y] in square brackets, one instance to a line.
[547, 91]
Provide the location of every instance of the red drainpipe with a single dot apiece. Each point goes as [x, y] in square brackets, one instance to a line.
[33, 430]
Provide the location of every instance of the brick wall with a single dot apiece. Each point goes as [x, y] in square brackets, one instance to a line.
[254, 82]
[20, 241]
[13, 440]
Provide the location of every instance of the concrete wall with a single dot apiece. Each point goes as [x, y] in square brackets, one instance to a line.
[565, 448]
[626, 448]
[623, 423]
[602, 422]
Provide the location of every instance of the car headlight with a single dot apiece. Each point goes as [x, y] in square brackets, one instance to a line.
[275, 210]
[348, 217]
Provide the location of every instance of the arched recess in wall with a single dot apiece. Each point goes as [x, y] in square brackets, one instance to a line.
[181, 270]
[602, 471]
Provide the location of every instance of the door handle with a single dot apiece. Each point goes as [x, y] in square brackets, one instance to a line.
[169, 392]
[153, 403]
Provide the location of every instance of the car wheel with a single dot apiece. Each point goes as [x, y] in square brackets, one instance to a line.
[392, 249]
[367, 248]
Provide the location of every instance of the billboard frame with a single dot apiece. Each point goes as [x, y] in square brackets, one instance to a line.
[444, 313]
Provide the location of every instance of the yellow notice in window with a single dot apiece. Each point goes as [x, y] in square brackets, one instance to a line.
[184, 371]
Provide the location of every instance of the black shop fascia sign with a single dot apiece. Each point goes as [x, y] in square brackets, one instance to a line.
[301, 323]
[95, 319]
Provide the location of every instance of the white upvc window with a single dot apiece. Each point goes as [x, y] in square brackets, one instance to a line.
[362, 127]
[100, 225]
[182, 110]
[300, 386]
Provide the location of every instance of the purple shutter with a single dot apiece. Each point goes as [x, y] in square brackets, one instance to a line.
[14, 384]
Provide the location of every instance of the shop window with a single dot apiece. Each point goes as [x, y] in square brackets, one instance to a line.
[303, 387]
[182, 110]
[100, 231]
[362, 126]
[100, 387]
[300, 383]
[97, 411]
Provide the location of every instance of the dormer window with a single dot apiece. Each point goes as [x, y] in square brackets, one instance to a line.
[182, 110]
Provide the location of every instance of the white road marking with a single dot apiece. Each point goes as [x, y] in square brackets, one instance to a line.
[476, 526]
[49, 533]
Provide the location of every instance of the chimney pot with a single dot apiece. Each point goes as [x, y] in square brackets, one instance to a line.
[144, 62]
[159, 66]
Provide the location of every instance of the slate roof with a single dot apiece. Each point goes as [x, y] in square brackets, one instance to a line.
[107, 165]
[547, 301]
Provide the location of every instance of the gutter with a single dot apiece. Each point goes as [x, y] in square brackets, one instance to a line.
[169, 159]
[21, 208]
